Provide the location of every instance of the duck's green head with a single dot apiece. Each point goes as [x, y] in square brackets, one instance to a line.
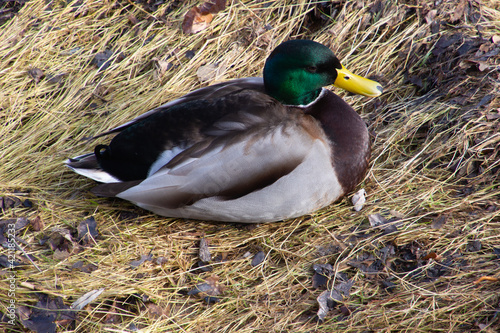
[297, 69]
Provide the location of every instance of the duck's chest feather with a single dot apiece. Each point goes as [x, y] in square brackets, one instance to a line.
[348, 135]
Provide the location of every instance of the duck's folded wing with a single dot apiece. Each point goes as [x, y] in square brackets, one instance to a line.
[213, 92]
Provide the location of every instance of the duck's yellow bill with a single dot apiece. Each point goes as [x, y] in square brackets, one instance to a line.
[357, 84]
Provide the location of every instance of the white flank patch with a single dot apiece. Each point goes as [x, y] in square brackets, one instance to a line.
[164, 158]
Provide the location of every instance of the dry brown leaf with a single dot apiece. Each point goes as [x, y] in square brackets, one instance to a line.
[210, 287]
[132, 19]
[155, 311]
[199, 18]
[431, 15]
[60, 255]
[210, 72]
[459, 11]
[432, 255]
[195, 21]
[213, 6]
[162, 66]
[486, 47]
[438, 222]
[36, 74]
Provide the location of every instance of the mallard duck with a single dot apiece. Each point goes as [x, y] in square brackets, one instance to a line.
[247, 150]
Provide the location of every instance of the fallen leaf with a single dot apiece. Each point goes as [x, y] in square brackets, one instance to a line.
[431, 15]
[432, 255]
[345, 310]
[36, 74]
[87, 231]
[144, 258]
[9, 202]
[64, 233]
[7, 262]
[60, 255]
[200, 267]
[380, 222]
[194, 21]
[155, 311]
[190, 54]
[204, 252]
[483, 66]
[388, 286]
[207, 290]
[213, 6]
[21, 222]
[210, 72]
[211, 299]
[496, 251]
[359, 200]
[458, 13]
[438, 222]
[51, 78]
[24, 312]
[89, 268]
[258, 258]
[37, 223]
[198, 18]
[162, 66]
[486, 47]
[46, 313]
[55, 240]
[328, 299]
[495, 39]
[376, 220]
[474, 246]
[322, 273]
[102, 60]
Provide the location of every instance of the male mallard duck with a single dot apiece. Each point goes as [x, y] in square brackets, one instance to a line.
[248, 150]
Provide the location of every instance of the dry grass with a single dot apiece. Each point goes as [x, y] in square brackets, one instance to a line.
[435, 154]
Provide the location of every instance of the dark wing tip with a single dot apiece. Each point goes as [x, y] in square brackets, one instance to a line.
[113, 189]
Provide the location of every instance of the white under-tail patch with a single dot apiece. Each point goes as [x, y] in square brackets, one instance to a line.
[95, 174]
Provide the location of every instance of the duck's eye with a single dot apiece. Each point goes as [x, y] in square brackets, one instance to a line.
[312, 69]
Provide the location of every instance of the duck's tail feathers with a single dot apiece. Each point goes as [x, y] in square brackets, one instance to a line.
[87, 165]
